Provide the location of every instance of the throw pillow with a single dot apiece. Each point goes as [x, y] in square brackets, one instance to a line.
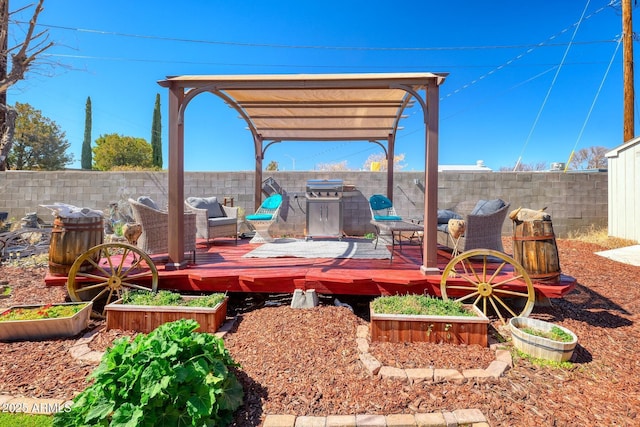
[487, 207]
[379, 202]
[209, 203]
[272, 202]
[444, 215]
[148, 201]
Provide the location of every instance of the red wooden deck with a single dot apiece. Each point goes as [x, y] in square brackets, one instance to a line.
[221, 268]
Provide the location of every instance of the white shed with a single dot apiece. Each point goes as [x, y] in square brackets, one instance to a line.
[624, 190]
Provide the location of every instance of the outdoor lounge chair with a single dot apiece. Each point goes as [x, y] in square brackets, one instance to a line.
[264, 217]
[382, 209]
[155, 227]
[389, 225]
[483, 225]
[212, 218]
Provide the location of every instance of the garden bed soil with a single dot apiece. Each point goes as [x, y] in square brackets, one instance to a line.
[305, 361]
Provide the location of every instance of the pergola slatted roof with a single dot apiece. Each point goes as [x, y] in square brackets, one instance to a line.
[309, 107]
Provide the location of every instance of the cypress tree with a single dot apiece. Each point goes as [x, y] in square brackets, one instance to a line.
[86, 160]
[156, 135]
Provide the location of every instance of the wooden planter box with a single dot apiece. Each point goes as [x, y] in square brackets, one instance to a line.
[436, 329]
[145, 318]
[40, 329]
[541, 347]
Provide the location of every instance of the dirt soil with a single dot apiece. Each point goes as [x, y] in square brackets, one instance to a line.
[305, 362]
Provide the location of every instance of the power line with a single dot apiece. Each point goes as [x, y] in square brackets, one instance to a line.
[284, 46]
[546, 98]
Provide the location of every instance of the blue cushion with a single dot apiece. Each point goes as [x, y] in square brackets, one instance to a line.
[378, 202]
[209, 203]
[148, 201]
[444, 215]
[443, 227]
[387, 218]
[487, 207]
[272, 202]
[259, 217]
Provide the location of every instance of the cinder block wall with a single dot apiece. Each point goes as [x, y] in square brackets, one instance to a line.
[576, 200]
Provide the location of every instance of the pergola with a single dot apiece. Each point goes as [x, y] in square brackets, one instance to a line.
[311, 107]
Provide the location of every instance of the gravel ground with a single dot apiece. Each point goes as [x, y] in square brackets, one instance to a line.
[305, 362]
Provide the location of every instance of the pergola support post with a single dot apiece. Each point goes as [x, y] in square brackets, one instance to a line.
[391, 150]
[176, 181]
[431, 119]
[257, 140]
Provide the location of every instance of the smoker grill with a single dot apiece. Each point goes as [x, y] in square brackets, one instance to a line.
[324, 208]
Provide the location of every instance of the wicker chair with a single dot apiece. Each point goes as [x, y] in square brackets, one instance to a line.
[209, 225]
[483, 229]
[264, 217]
[155, 229]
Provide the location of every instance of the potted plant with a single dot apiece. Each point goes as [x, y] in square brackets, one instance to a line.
[542, 340]
[24, 322]
[143, 311]
[414, 318]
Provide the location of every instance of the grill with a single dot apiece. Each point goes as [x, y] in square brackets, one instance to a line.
[324, 208]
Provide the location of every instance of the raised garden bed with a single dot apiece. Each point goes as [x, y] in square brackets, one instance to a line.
[145, 318]
[35, 326]
[434, 328]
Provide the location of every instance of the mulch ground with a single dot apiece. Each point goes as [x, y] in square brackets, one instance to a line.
[305, 362]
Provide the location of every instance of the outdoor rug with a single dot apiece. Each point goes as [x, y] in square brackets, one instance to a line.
[347, 248]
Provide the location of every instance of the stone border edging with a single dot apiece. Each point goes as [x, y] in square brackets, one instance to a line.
[460, 417]
[495, 369]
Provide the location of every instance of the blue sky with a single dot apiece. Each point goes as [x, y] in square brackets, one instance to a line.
[526, 79]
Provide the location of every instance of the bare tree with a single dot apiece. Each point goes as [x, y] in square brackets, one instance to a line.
[525, 167]
[589, 158]
[332, 167]
[22, 57]
[382, 162]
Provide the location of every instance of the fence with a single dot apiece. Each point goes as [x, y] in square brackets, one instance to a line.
[575, 200]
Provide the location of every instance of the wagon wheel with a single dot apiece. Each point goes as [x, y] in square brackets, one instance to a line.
[24, 242]
[116, 267]
[492, 281]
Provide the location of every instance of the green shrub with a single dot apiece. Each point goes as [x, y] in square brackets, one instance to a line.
[173, 376]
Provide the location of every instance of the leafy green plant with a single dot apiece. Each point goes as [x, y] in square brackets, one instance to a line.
[48, 311]
[169, 298]
[172, 376]
[543, 362]
[420, 305]
[555, 334]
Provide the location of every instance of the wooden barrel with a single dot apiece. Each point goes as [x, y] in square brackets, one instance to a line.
[534, 247]
[70, 238]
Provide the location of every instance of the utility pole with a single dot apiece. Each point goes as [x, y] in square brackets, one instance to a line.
[627, 59]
